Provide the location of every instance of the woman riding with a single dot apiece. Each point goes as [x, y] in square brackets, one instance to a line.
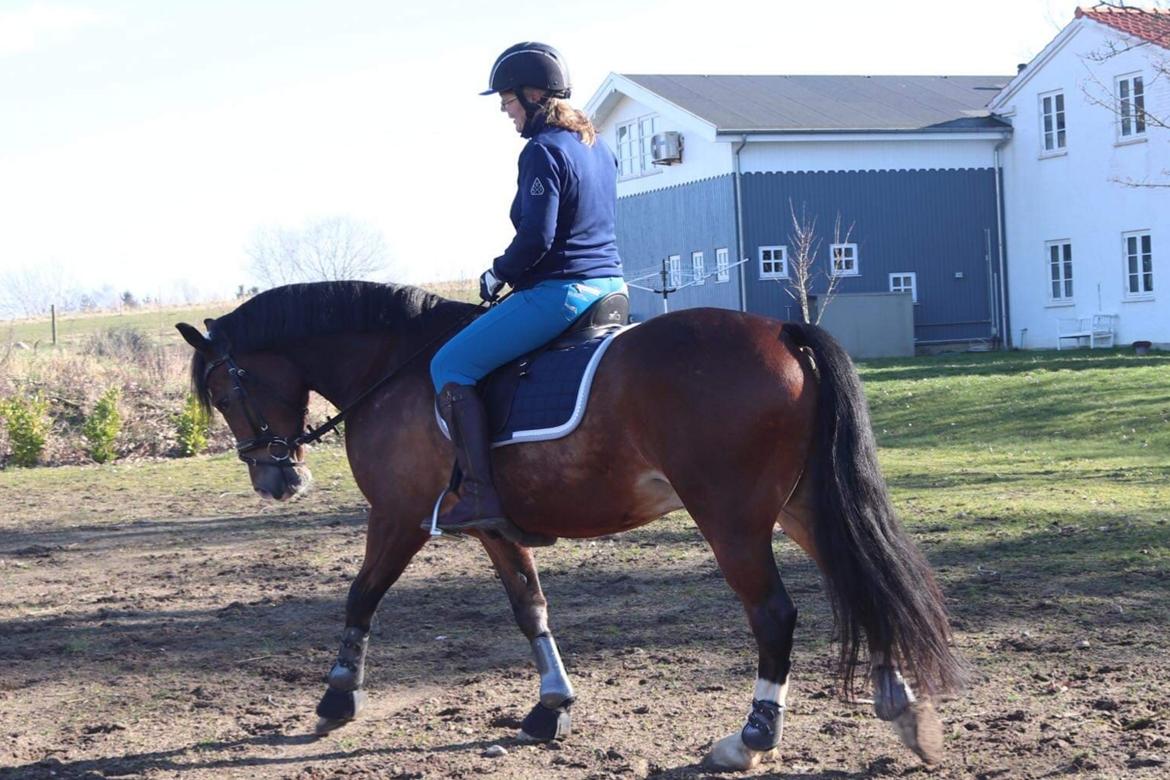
[563, 258]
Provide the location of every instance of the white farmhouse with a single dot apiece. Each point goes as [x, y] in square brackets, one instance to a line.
[1087, 181]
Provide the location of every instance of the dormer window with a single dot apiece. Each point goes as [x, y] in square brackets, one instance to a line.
[635, 157]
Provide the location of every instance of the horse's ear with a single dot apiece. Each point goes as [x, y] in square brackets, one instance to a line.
[193, 337]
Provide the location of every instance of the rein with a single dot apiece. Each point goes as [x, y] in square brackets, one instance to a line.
[280, 449]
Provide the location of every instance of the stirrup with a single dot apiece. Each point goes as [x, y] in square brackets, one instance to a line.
[496, 526]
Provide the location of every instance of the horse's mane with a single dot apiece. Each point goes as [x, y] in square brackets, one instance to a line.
[284, 315]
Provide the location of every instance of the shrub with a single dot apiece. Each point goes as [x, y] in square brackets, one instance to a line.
[124, 343]
[194, 426]
[102, 427]
[28, 427]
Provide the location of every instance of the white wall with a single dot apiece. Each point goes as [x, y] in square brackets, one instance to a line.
[1077, 196]
[701, 159]
[940, 152]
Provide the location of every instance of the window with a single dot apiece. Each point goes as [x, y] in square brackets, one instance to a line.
[635, 157]
[697, 267]
[722, 266]
[1139, 265]
[773, 262]
[1060, 275]
[1052, 121]
[674, 271]
[1131, 106]
[906, 281]
[844, 259]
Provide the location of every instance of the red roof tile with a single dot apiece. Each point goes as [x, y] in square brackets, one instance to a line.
[1149, 24]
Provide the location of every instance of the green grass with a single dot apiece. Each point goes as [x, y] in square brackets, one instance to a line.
[73, 329]
[159, 322]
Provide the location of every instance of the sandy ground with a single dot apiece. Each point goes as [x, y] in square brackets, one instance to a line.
[197, 648]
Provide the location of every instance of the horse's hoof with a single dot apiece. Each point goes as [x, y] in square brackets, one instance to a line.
[544, 724]
[325, 725]
[731, 755]
[338, 705]
[921, 731]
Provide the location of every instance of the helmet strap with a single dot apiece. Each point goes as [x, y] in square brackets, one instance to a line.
[531, 109]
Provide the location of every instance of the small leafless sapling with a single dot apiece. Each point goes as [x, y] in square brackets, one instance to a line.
[802, 269]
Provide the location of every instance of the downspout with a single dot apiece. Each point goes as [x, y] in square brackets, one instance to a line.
[739, 227]
[1005, 328]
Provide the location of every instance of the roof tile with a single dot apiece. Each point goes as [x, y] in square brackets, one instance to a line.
[1149, 24]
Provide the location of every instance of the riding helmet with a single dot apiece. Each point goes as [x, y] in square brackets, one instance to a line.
[530, 64]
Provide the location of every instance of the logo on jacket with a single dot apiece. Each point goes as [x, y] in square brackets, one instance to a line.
[537, 187]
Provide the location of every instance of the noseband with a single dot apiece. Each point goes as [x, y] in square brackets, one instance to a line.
[279, 449]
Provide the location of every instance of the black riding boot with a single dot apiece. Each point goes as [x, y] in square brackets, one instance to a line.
[479, 505]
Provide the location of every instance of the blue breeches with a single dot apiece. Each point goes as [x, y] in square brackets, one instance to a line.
[519, 324]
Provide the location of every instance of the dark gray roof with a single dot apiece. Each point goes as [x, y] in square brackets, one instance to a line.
[757, 104]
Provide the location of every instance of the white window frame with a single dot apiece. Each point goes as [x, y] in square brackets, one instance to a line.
[1053, 124]
[722, 266]
[772, 251]
[1063, 265]
[1131, 109]
[913, 288]
[845, 251]
[635, 155]
[697, 267]
[1145, 278]
[674, 271]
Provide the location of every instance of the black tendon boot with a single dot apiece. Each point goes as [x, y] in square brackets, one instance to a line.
[479, 505]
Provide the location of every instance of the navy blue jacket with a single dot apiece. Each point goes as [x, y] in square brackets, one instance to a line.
[563, 212]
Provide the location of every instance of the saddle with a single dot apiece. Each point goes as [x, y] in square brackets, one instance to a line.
[541, 395]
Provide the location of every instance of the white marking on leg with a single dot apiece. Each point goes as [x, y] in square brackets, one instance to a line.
[766, 690]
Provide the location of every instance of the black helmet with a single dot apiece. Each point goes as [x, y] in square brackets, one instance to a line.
[530, 64]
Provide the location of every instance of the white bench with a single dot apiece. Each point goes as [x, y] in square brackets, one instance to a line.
[1098, 329]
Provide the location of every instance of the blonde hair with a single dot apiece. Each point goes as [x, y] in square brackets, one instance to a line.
[559, 113]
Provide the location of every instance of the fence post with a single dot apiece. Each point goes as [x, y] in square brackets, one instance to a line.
[53, 317]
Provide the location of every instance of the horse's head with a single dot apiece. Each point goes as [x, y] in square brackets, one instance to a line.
[264, 399]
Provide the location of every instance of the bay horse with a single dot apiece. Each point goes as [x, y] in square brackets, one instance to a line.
[780, 402]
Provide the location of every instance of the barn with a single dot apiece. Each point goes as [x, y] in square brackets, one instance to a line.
[712, 169]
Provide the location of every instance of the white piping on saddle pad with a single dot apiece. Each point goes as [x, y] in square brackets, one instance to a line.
[570, 425]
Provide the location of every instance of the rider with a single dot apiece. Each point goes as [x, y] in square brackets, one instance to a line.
[563, 258]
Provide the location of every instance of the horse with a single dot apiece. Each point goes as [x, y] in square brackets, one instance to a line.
[780, 401]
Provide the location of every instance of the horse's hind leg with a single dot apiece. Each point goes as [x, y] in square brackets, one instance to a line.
[915, 722]
[745, 557]
[389, 548]
[550, 718]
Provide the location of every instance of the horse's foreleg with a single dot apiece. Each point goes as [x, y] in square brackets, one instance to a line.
[388, 549]
[550, 718]
[750, 569]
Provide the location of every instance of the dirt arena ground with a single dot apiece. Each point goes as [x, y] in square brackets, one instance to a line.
[141, 641]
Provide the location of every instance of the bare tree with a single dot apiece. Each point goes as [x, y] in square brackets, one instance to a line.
[327, 249]
[1133, 108]
[802, 270]
[30, 290]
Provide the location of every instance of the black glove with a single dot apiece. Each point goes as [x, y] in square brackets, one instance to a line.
[489, 286]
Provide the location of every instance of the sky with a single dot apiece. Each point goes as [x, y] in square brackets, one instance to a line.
[143, 143]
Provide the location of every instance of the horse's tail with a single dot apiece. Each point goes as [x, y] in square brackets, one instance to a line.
[879, 582]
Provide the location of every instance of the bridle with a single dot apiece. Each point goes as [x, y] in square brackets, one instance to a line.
[279, 449]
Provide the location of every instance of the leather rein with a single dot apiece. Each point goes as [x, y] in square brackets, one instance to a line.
[281, 450]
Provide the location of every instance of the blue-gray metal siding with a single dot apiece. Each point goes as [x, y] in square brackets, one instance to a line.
[936, 223]
[695, 217]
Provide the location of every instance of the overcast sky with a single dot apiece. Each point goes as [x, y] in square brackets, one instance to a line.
[143, 142]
